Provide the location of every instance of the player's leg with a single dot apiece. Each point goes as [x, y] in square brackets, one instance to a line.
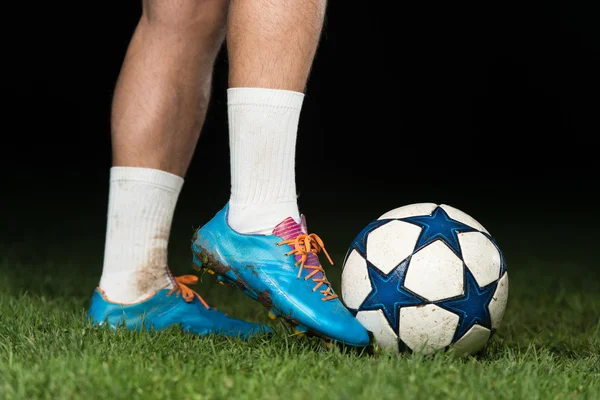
[271, 47]
[159, 105]
[259, 241]
[163, 89]
[158, 111]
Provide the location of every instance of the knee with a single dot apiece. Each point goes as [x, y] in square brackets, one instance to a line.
[200, 17]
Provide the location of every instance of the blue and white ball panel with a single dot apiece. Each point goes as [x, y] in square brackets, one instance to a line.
[472, 341]
[435, 273]
[463, 217]
[481, 256]
[391, 243]
[410, 210]
[498, 304]
[428, 328]
[375, 321]
[355, 276]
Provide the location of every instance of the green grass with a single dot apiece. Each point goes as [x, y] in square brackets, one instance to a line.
[547, 348]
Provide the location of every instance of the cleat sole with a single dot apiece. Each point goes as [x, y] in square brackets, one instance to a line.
[227, 276]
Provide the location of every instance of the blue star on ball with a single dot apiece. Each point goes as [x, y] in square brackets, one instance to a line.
[472, 307]
[439, 226]
[388, 294]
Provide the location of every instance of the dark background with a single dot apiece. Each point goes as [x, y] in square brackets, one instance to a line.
[492, 108]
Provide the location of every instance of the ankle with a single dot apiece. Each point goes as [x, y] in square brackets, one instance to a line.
[260, 219]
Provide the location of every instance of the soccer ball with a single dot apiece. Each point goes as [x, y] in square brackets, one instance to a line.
[426, 277]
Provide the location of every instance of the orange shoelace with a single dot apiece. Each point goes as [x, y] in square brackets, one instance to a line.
[304, 245]
[187, 293]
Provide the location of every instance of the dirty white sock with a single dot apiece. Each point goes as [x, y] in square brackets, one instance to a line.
[140, 211]
[263, 125]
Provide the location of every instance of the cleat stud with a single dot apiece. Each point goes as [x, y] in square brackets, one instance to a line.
[210, 271]
[328, 343]
[223, 281]
[299, 333]
[301, 329]
[272, 316]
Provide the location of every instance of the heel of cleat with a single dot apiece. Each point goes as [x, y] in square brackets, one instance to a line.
[226, 276]
[196, 263]
[199, 260]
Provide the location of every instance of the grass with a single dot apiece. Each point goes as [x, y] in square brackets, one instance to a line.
[547, 348]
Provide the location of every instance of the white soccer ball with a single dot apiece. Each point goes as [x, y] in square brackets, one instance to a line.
[426, 277]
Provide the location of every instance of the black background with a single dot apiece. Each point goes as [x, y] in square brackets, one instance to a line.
[490, 107]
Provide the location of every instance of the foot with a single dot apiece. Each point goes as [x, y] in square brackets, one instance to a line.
[180, 306]
[281, 271]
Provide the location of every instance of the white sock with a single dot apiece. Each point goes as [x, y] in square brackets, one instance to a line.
[140, 211]
[263, 124]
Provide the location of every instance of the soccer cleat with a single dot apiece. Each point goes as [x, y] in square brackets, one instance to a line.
[180, 306]
[281, 271]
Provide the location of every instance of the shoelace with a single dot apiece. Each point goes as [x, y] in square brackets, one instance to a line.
[303, 245]
[187, 293]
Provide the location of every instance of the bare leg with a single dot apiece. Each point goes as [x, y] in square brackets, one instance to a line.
[163, 90]
[271, 46]
[158, 111]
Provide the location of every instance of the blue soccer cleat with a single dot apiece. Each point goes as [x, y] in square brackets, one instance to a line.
[180, 306]
[282, 271]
